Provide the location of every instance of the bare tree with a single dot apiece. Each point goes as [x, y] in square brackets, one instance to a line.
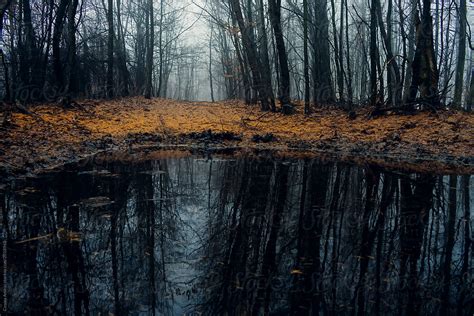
[149, 49]
[425, 72]
[306, 57]
[253, 59]
[459, 83]
[274, 10]
[110, 49]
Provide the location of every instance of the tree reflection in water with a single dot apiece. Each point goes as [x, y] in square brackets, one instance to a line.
[251, 236]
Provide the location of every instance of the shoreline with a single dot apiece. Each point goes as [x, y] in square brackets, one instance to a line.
[52, 136]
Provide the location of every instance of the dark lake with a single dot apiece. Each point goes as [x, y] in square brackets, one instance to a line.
[237, 236]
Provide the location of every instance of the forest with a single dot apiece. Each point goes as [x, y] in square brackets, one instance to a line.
[395, 53]
[236, 157]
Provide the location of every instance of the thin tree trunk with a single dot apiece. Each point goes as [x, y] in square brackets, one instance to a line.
[71, 59]
[122, 54]
[449, 245]
[411, 37]
[149, 50]
[467, 243]
[160, 78]
[110, 49]
[394, 80]
[339, 70]
[211, 86]
[58, 30]
[470, 96]
[373, 54]
[306, 57]
[350, 92]
[459, 82]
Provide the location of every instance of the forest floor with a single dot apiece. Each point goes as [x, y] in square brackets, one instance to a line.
[50, 136]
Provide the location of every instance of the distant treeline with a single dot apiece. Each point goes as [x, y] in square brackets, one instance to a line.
[397, 53]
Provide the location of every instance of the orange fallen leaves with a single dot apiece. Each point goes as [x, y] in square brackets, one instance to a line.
[56, 131]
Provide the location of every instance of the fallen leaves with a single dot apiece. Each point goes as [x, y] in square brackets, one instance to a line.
[54, 135]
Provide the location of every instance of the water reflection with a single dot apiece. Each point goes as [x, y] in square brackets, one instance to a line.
[238, 237]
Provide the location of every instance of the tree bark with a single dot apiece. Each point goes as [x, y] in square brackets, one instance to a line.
[3, 8]
[274, 11]
[425, 72]
[470, 96]
[409, 56]
[149, 51]
[339, 66]
[264, 54]
[58, 30]
[110, 49]
[71, 55]
[373, 54]
[394, 71]
[211, 85]
[121, 55]
[459, 81]
[253, 60]
[306, 57]
[323, 91]
[160, 78]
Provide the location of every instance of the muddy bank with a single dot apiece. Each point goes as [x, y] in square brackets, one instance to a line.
[50, 136]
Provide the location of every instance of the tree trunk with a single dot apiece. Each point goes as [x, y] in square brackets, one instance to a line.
[160, 44]
[339, 66]
[253, 60]
[211, 86]
[350, 92]
[110, 49]
[409, 56]
[274, 11]
[71, 55]
[58, 30]
[373, 54]
[3, 8]
[264, 54]
[306, 57]
[121, 55]
[323, 91]
[470, 96]
[394, 82]
[425, 72]
[459, 82]
[28, 52]
[149, 51]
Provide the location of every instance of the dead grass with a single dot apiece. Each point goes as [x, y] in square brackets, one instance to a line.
[55, 135]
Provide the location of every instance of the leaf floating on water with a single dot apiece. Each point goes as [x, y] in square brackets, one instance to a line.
[147, 172]
[100, 173]
[97, 201]
[27, 190]
[95, 172]
[34, 239]
[152, 172]
[62, 235]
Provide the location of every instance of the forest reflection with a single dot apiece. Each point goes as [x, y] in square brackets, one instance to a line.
[246, 236]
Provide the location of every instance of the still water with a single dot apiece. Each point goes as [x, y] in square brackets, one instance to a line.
[245, 236]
